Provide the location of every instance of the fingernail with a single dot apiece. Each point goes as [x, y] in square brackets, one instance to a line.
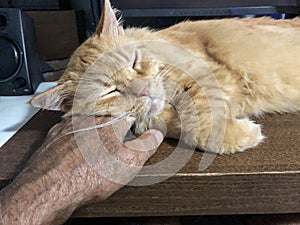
[158, 135]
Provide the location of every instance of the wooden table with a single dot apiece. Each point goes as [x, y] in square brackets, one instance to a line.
[261, 180]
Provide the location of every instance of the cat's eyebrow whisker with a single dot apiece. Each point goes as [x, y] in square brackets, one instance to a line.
[85, 80]
[93, 84]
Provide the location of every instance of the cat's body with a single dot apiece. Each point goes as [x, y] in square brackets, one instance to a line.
[254, 65]
[257, 59]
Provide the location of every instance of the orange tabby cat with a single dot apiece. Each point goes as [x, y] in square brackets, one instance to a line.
[247, 67]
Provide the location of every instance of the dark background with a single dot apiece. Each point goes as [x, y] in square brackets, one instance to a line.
[61, 26]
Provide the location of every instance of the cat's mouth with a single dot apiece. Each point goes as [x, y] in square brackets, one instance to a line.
[156, 107]
[152, 106]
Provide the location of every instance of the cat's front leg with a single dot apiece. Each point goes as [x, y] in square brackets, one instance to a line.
[237, 136]
[168, 122]
[215, 134]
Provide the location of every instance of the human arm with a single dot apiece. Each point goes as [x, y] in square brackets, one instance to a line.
[58, 179]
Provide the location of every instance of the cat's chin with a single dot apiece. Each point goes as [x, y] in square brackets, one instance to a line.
[157, 107]
[140, 126]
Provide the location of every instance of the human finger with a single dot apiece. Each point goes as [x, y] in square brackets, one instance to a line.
[147, 142]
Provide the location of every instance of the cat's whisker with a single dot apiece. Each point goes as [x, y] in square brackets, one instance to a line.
[109, 123]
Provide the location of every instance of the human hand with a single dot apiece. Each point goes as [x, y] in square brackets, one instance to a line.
[59, 177]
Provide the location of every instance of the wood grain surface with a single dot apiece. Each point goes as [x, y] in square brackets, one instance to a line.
[261, 180]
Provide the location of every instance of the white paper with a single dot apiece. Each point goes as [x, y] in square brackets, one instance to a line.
[15, 111]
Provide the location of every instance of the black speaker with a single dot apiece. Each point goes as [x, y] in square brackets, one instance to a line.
[20, 65]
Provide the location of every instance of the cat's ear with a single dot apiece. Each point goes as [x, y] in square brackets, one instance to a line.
[51, 99]
[108, 22]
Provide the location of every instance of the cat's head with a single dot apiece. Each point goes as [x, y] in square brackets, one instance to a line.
[109, 75]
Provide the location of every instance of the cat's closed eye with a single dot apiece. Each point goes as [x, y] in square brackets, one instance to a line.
[110, 92]
[134, 63]
[137, 67]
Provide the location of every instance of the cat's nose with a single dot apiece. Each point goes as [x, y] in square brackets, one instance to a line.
[139, 88]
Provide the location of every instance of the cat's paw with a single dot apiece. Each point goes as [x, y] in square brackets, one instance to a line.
[241, 134]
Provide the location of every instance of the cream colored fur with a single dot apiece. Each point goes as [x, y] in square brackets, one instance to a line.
[256, 63]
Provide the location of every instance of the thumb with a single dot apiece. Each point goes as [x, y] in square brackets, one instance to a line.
[147, 142]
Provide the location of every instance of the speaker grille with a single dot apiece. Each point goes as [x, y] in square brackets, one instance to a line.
[3, 21]
[11, 58]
